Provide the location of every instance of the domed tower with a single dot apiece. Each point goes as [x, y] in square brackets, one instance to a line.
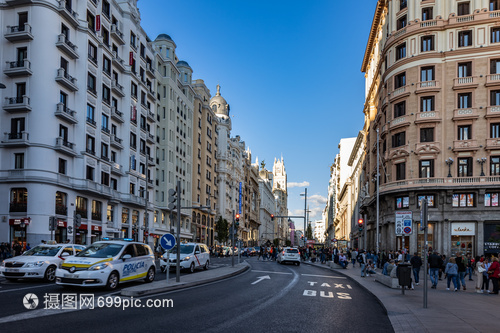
[220, 107]
[165, 45]
[186, 72]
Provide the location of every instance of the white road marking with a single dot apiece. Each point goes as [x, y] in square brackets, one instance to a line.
[7, 291]
[326, 276]
[253, 270]
[260, 278]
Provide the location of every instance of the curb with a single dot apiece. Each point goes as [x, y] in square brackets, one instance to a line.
[130, 292]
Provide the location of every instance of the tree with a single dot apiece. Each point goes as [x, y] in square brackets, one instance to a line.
[222, 229]
[288, 242]
[276, 242]
[309, 232]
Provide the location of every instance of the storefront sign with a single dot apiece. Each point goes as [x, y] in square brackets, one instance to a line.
[62, 224]
[463, 229]
[25, 220]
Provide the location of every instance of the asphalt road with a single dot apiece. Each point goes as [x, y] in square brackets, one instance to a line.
[267, 298]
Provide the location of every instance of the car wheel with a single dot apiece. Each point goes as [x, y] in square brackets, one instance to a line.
[191, 268]
[206, 265]
[50, 274]
[298, 264]
[112, 281]
[11, 279]
[150, 277]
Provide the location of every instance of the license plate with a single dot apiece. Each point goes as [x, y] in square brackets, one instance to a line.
[12, 270]
[71, 276]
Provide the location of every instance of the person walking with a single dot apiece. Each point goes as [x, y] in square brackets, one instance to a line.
[416, 263]
[363, 263]
[486, 279]
[435, 263]
[461, 263]
[470, 266]
[451, 272]
[354, 255]
[494, 274]
[479, 274]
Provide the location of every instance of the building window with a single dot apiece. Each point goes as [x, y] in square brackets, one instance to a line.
[96, 210]
[114, 184]
[494, 5]
[105, 178]
[106, 94]
[402, 22]
[19, 161]
[494, 166]
[402, 202]
[426, 168]
[403, 4]
[427, 13]
[463, 200]
[90, 145]
[61, 203]
[105, 123]
[81, 206]
[427, 103]
[132, 162]
[106, 10]
[133, 90]
[465, 167]
[400, 80]
[495, 97]
[133, 40]
[104, 151]
[62, 166]
[495, 66]
[465, 38]
[465, 69]
[91, 83]
[491, 199]
[92, 53]
[427, 43]
[401, 171]
[495, 131]
[105, 36]
[18, 200]
[427, 74]
[464, 132]
[400, 109]
[431, 201]
[132, 188]
[463, 8]
[427, 134]
[90, 173]
[401, 51]
[398, 139]
[106, 65]
[90, 21]
[464, 100]
[133, 141]
[90, 114]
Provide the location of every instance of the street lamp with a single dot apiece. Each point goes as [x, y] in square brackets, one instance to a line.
[449, 162]
[481, 161]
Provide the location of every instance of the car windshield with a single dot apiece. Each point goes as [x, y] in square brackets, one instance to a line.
[185, 249]
[100, 250]
[43, 251]
[292, 251]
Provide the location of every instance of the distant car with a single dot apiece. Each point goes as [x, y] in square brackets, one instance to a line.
[39, 262]
[289, 254]
[192, 255]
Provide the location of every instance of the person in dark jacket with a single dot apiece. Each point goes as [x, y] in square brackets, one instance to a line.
[461, 263]
[435, 263]
[416, 263]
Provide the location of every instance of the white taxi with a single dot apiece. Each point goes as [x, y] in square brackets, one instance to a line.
[289, 254]
[39, 262]
[108, 263]
[192, 255]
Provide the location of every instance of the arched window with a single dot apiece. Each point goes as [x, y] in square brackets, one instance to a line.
[204, 220]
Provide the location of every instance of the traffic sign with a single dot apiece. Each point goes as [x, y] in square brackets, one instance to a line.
[407, 230]
[167, 241]
[403, 220]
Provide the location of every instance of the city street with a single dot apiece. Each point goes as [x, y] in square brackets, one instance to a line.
[269, 296]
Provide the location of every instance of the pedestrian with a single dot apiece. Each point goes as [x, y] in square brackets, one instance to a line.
[470, 266]
[435, 263]
[451, 272]
[342, 260]
[494, 274]
[354, 255]
[363, 263]
[486, 279]
[479, 273]
[261, 253]
[416, 263]
[443, 266]
[461, 263]
[17, 249]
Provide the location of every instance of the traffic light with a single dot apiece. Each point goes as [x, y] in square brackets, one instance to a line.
[360, 224]
[172, 199]
[78, 221]
[237, 220]
[272, 217]
[52, 223]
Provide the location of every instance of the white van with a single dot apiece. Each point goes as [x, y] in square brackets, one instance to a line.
[108, 263]
[193, 255]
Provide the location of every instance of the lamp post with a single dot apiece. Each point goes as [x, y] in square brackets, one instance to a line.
[482, 161]
[449, 162]
[305, 209]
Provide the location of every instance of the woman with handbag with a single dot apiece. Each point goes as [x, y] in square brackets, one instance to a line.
[479, 273]
[494, 274]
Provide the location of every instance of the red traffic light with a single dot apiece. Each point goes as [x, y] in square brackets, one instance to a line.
[272, 217]
[360, 222]
[237, 217]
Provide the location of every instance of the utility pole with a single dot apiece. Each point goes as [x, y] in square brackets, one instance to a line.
[178, 268]
[146, 217]
[232, 241]
[305, 214]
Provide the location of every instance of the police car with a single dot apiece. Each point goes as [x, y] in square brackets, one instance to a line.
[193, 255]
[108, 263]
[39, 262]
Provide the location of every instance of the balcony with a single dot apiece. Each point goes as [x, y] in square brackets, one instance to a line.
[67, 47]
[492, 80]
[65, 113]
[444, 182]
[465, 82]
[150, 138]
[151, 93]
[151, 115]
[116, 142]
[19, 139]
[117, 88]
[18, 68]
[468, 113]
[117, 169]
[92, 187]
[19, 33]
[66, 80]
[427, 86]
[398, 93]
[493, 143]
[429, 116]
[65, 147]
[150, 70]
[461, 145]
[17, 104]
[117, 34]
[116, 115]
[493, 111]
[67, 12]
[399, 121]
[118, 62]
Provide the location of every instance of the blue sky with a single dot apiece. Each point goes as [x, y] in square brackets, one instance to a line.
[289, 69]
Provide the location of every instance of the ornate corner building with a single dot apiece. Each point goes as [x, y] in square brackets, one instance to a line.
[432, 73]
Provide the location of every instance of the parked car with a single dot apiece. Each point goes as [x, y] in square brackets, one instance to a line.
[192, 256]
[289, 254]
[39, 262]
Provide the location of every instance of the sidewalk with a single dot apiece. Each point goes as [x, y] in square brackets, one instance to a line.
[447, 311]
[195, 279]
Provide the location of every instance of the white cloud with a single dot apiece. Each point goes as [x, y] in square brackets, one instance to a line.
[317, 199]
[293, 184]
